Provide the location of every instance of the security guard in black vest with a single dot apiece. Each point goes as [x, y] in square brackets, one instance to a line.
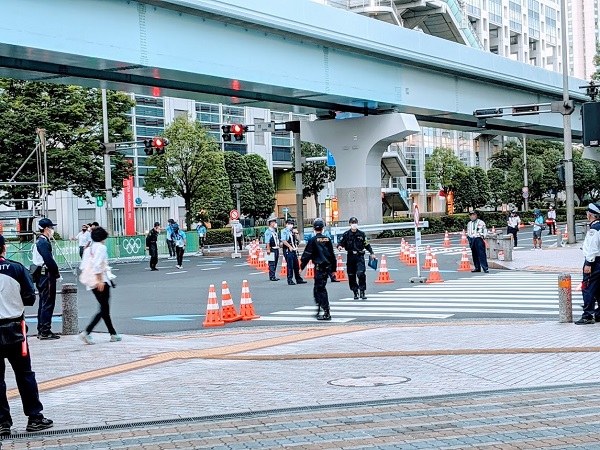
[355, 242]
[152, 245]
[320, 249]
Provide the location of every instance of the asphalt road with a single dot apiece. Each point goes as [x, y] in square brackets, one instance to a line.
[171, 300]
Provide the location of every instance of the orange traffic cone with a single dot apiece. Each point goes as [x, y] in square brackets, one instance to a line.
[250, 252]
[401, 254]
[283, 272]
[246, 306]
[427, 264]
[434, 272]
[412, 258]
[446, 240]
[463, 238]
[384, 275]
[406, 254]
[310, 271]
[229, 314]
[465, 265]
[340, 275]
[566, 234]
[213, 314]
[254, 260]
[262, 262]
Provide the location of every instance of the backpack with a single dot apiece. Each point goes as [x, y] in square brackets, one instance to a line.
[35, 269]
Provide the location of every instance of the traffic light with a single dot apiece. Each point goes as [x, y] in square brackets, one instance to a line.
[157, 143]
[238, 131]
[561, 173]
[99, 201]
[226, 133]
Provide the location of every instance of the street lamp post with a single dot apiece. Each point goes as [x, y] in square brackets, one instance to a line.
[237, 187]
[107, 171]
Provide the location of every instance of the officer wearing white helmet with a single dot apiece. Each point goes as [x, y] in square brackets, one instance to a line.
[355, 242]
[590, 289]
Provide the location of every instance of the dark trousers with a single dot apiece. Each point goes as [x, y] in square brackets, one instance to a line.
[179, 251]
[25, 377]
[47, 289]
[293, 268]
[589, 290]
[273, 264]
[513, 231]
[104, 311]
[552, 227]
[201, 240]
[171, 247]
[153, 250]
[240, 242]
[320, 289]
[81, 249]
[356, 268]
[478, 252]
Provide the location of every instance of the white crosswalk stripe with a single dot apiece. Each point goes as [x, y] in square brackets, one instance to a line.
[501, 294]
[438, 249]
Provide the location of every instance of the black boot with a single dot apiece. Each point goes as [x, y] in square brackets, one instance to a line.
[355, 295]
[362, 295]
[325, 316]
[318, 312]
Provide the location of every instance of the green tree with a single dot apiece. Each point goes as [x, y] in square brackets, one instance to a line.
[315, 175]
[444, 170]
[213, 196]
[264, 189]
[72, 119]
[474, 189]
[585, 176]
[181, 170]
[238, 172]
[498, 194]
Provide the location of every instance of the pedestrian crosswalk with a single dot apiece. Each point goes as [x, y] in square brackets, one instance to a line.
[436, 249]
[494, 295]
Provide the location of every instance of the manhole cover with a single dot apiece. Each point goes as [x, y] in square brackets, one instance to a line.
[369, 381]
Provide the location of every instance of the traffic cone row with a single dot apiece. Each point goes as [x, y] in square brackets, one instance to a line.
[215, 317]
[465, 265]
[340, 274]
[384, 274]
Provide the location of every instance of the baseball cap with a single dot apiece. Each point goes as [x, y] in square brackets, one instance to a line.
[290, 221]
[45, 223]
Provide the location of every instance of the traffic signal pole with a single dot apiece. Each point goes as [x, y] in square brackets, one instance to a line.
[107, 170]
[298, 179]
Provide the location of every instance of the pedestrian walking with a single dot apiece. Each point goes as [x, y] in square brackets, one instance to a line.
[99, 266]
[16, 292]
[355, 242]
[551, 220]
[201, 230]
[476, 233]
[152, 245]
[47, 281]
[238, 232]
[179, 240]
[83, 239]
[538, 227]
[590, 286]
[289, 239]
[170, 242]
[319, 249]
[272, 243]
[513, 221]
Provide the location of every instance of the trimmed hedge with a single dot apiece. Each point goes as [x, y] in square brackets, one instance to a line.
[458, 222]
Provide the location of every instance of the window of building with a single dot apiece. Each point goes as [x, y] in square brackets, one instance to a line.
[515, 15]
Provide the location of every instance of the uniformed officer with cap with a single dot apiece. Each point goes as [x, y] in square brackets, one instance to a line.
[590, 287]
[355, 242]
[290, 252]
[152, 245]
[47, 282]
[476, 233]
[319, 249]
[272, 243]
[17, 291]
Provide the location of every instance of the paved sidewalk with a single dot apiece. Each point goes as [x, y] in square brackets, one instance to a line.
[242, 372]
[567, 259]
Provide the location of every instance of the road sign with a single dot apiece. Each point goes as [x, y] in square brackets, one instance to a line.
[265, 127]
[330, 160]
[525, 195]
[234, 214]
[138, 201]
[416, 215]
[286, 210]
[525, 190]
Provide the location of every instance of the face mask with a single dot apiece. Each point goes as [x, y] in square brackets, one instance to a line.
[473, 219]
[275, 226]
[354, 226]
[289, 227]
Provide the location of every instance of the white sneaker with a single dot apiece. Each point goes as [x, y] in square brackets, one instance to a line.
[179, 267]
[115, 337]
[85, 337]
[171, 257]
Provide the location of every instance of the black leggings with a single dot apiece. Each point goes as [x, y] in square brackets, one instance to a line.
[104, 312]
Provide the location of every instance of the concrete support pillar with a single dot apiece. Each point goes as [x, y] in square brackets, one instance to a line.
[565, 301]
[70, 315]
[357, 145]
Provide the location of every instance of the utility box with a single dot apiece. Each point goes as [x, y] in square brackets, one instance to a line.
[500, 247]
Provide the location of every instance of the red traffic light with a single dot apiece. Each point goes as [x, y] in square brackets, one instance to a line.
[237, 128]
[158, 143]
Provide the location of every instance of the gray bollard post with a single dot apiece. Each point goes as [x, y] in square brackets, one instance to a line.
[565, 300]
[70, 315]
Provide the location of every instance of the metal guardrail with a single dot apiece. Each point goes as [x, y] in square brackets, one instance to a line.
[368, 229]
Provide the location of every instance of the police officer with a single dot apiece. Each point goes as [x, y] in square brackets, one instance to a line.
[355, 242]
[272, 242]
[17, 291]
[152, 245]
[47, 282]
[476, 233]
[590, 288]
[320, 249]
[290, 252]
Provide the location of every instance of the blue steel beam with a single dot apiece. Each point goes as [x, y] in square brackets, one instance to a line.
[270, 53]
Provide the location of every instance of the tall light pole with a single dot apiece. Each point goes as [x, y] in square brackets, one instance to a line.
[107, 171]
[569, 184]
[525, 176]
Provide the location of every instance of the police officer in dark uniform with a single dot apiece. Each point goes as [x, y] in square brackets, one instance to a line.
[17, 291]
[355, 242]
[272, 244]
[290, 252]
[152, 245]
[590, 288]
[47, 282]
[320, 249]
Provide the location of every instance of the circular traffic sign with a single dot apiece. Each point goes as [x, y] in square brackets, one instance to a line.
[525, 190]
[138, 201]
[416, 215]
[234, 214]
[525, 194]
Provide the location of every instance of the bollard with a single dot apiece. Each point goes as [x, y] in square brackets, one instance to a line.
[70, 315]
[565, 300]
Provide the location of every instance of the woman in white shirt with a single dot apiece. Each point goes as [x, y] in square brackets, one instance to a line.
[513, 221]
[99, 266]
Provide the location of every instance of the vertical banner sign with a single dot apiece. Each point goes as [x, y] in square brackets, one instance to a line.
[129, 208]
